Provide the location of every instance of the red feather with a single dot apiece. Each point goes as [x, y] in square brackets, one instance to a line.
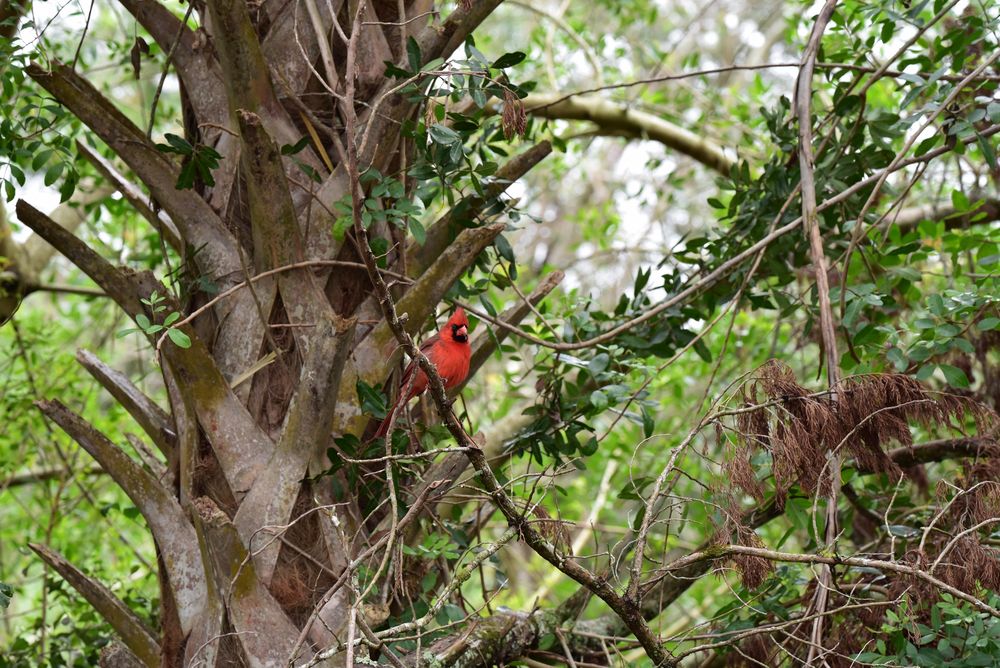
[448, 351]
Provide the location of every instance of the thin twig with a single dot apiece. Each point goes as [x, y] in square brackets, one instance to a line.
[166, 68]
[810, 217]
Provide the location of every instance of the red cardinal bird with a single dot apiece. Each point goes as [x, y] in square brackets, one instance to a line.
[448, 351]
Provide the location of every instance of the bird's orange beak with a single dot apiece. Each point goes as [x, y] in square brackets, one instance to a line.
[462, 330]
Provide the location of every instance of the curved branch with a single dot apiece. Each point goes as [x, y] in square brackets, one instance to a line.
[908, 219]
[620, 119]
[943, 449]
[133, 195]
[171, 528]
[134, 632]
[153, 419]
[124, 290]
[441, 232]
[199, 225]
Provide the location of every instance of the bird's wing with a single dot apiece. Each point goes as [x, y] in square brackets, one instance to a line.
[426, 346]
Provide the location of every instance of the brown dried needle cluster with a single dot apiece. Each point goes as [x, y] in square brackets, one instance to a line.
[513, 119]
[800, 428]
[753, 570]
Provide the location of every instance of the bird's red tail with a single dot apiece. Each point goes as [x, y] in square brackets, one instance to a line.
[383, 426]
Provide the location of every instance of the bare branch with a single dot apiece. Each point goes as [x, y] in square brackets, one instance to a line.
[133, 195]
[944, 449]
[124, 291]
[622, 120]
[441, 232]
[45, 475]
[163, 475]
[133, 630]
[862, 562]
[239, 443]
[153, 419]
[440, 41]
[908, 219]
[810, 218]
[197, 222]
[172, 530]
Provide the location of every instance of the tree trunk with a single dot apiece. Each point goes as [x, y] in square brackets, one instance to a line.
[275, 327]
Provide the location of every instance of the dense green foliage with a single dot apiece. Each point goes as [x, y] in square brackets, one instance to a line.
[586, 432]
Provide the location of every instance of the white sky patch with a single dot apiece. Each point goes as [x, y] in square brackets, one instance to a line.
[750, 33]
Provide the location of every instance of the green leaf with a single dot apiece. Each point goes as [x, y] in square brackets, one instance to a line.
[6, 593]
[598, 400]
[413, 55]
[53, 173]
[418, 231]
[903, 531]
[959, 200]
[955, 376]
[867, 335]
[648, 423]
[441, 134]
[509, 59]
[987, 324]
[180, 339]
[379, 246]
[988, 151]
[702, 350]
[432, 64]
[179, 144]
[504, 248]
[40, 159]
[394, 71]
[371, 400]
[292, 149]
[143, 321]
[340, 227]
[598, 364]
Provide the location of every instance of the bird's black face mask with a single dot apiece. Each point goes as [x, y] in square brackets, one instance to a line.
[460, 333]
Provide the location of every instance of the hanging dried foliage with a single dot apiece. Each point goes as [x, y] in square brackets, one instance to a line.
[862, 415]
